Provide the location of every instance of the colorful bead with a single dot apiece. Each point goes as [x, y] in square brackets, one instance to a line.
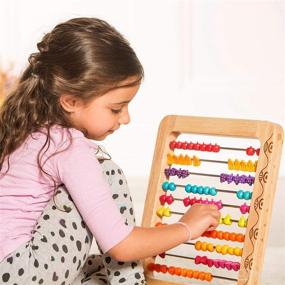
[242, 223]
[244, 208]
[165, 186]
[242, 165]
[166, 199]
[163, 212]
[180, 173]
[237, 179]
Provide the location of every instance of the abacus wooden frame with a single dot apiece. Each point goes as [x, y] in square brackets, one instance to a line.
[270, 136]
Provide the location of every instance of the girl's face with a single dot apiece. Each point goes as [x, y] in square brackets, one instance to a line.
[103, 115]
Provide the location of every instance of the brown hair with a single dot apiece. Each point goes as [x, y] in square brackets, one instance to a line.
[85, 57]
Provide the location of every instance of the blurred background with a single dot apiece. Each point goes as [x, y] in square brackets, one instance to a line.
[209, 58]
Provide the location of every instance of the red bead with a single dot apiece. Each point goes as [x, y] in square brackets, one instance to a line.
[196, 146]
[157, 267]
[203, 147]
[210, 262]
[172, 145]
[163, 268]
[169, 199]
[190, 146]
[204, 260]
[257, 151]
[209, 147]
[250, 151]
[178, 145]
[216, 148]
[162, 199]
[187, 201]
[198, 259]
[162, 255]
[150, 266]
[184, 145]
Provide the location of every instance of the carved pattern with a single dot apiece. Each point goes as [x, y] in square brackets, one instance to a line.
[258, 205]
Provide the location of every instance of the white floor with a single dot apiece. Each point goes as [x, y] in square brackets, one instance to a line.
[274, 263]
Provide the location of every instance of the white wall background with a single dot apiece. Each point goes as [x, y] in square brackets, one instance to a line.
[201, 57]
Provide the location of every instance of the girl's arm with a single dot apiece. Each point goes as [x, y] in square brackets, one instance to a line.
[147, 242]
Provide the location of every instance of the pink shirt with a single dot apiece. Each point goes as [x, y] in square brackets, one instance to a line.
[25, 191]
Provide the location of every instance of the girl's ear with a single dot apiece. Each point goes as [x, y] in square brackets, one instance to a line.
[70, 103]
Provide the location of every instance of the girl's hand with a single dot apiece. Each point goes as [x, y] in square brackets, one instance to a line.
[201, 218]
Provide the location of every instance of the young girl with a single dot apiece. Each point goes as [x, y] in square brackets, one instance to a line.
[55, 195]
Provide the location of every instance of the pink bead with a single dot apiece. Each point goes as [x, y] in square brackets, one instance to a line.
[222, 263]
[219, 204]
[216, 263]
[187, 201]
[228, 265]
[236, 266]
[204, 260]
[210, 262]
[198, 259]
[244, 208]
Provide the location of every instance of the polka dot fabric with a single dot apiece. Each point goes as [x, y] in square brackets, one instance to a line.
[58, 253]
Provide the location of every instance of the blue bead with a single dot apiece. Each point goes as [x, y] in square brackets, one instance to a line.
[165, 186]
[206, 190]
[188, 188]
[171, 186]
[213, 191]
[240, 194]
[247, 195]
[194, 189]
[200, 190]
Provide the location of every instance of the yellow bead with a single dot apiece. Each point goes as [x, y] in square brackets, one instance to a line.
[160, 212]
[218, 248]
[243, 166]
[198, 245]
[231, 250]
[210, 247]
[230, 164]
[187, 160]
[242, 222]
[225, 249]
[169, 159]
[236, 164]
[227, 220]
[204, 246]
[166, 212]
[237, 251]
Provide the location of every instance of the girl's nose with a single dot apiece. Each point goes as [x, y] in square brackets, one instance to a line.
[125, 118]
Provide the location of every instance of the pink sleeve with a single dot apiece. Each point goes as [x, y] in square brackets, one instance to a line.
[81, 173]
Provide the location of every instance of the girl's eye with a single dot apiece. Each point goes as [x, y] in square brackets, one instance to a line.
[116, 111]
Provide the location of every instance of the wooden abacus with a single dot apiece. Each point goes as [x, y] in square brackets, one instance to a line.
[172, 152]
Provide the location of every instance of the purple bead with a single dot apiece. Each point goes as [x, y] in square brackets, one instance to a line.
[223, 177]
[236, 179]
[230, 178]
[243, 179]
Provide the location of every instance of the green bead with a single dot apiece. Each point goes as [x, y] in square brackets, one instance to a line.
[171, 186]
[247, 195]
[213, 191]
[194, 189]
[206, 190]
[188, 188]
[165, 186]
[200, 190]
[240, 194]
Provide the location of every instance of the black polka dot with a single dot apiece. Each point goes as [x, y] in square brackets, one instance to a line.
[36, 263]
[78, 245]
[53, 207]
[64, 248]
[35, 247]
[122, 209]
[10, 259]
[83, 225]
[108, 259]
[107, 172]
[119, 171]
[34, 278]
[74, 225]
[74, 259]
[46, 217]
[17, 254]
[62, 259]
[84, 256]
[115, 196]
[45, 266]
[121, 182]
[55, 247]
[134, 265]
[137, 275]
[62, 222]
[44, 239]
[41, 281]
[52, 233]
[108, 272]
[79, 264]
[121, 262]
[54, 277]
[66, 274]
[62, 283]
[122, 280]
[21, 272]
[131, 211]
[125, 195]
[86, 239]
[113, 172]
[5, 277]
[117, 273]
[71, 238]
[52, 258]
[61, 233]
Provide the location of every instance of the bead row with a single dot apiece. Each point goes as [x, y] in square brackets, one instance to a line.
[187, 201]
[183, 160]
[194, 146]
[168, 186]
[218, 263]
[241, 165]
[166, 199]
[237, 179]
[180, 173]
[184, 272]
[222, 249]
[202, 190]
[224, 236]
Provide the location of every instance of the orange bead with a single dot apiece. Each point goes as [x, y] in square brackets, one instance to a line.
[220, 235]
[226, 235]
[204, 246]
[190, 273]
[157, 267]
[232, 236]
[240, 238]
[171, 270]
[163, 268]
[150, 266]
[201, 276]
[195, 274]
[178, 271]
[184, 272]
[214, 234]
[208, 277]
[210, 247]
